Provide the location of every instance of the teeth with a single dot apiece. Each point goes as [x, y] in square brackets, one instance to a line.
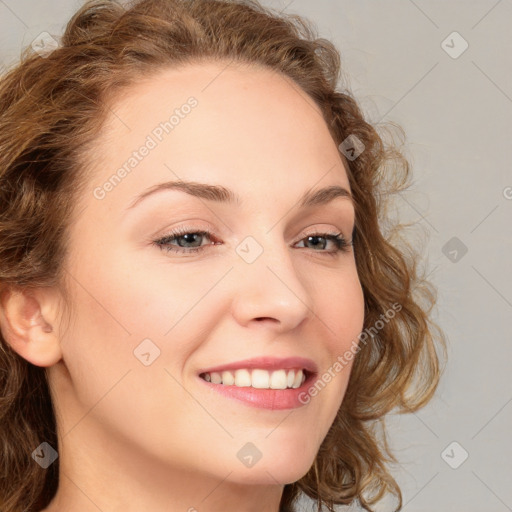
[258, 378]
[228, 378]
[291, 378]
[278, 380]
[298, 380]
[242, 378]
[216, 378]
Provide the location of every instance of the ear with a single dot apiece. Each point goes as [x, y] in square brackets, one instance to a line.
[28, 322]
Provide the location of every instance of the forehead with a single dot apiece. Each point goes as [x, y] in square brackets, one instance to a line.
[249, 128]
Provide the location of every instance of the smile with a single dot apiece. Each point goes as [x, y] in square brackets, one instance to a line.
[258, 378]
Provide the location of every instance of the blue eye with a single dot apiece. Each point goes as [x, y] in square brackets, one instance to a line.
[340, 243]
[186, 236]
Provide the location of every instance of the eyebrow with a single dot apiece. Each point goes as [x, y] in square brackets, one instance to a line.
[222, 194]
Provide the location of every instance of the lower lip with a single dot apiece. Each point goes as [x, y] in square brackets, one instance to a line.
[273, 399]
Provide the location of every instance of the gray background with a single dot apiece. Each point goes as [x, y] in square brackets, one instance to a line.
[457, 114]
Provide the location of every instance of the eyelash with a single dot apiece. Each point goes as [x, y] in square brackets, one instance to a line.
[342, 245]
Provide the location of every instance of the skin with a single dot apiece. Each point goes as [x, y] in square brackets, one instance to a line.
[136, 437]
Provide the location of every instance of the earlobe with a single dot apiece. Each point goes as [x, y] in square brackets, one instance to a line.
[28, 324]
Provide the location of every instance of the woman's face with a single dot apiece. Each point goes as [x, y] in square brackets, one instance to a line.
[153, 313]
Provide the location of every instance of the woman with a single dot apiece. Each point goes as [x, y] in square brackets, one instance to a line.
[199, 310]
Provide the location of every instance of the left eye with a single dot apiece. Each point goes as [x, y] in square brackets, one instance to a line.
[190, 237]
[184, 236]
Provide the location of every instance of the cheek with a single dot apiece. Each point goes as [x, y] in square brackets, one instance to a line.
[112, 386]
[125, 311]
[342, 312]
[341, 315]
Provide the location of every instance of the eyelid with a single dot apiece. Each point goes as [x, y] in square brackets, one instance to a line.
[342, 243]
[312, 229]
[316, 228]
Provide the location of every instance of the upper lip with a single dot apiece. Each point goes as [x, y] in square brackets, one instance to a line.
[266, 363]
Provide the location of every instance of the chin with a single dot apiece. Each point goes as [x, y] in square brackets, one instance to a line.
[272, 471]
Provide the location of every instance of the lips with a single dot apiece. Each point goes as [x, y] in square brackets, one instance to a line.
[265, 363]
[270, 399]
[285, 397]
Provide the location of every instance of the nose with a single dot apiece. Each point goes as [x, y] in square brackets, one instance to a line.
[270, 290]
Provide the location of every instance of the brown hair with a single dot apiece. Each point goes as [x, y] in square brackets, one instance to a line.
[51, 109]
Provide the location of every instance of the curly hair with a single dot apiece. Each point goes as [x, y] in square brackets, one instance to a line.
[51, 110]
